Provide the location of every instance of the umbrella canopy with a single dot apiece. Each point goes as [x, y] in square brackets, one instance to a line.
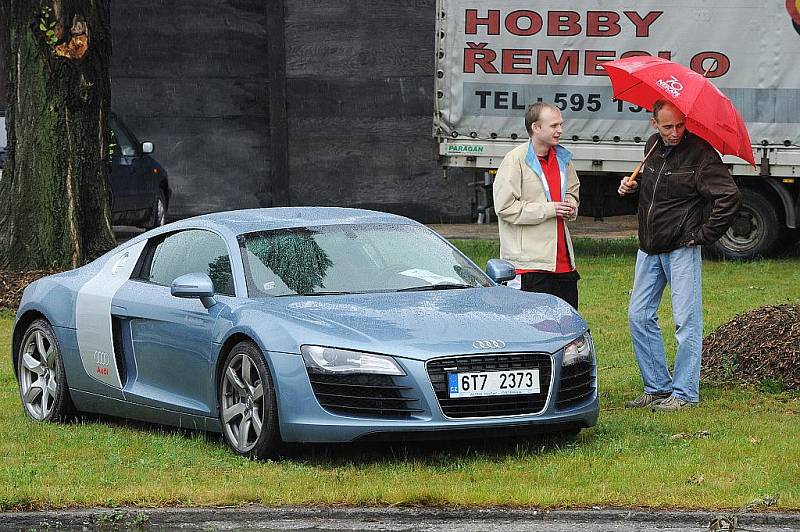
[642, 80]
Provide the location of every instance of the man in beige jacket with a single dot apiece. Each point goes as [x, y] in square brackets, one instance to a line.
[535, 193]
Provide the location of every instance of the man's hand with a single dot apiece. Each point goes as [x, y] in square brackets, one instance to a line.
[627, 187]
[564, 209]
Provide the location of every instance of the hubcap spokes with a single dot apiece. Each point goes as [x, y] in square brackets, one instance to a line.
[38, 374]
[242, 402]
[741, 236]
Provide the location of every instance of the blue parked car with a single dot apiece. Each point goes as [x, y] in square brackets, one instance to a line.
[140, 191]
[303, 325]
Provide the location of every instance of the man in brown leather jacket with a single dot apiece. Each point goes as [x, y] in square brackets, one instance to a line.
[681, 177]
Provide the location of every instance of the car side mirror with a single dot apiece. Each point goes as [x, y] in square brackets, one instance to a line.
[500, 270]
[147, 147]
[194, 285]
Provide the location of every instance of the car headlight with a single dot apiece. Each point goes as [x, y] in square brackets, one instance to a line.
[333, 360]
[579, 350]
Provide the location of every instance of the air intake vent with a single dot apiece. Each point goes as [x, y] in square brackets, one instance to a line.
[363, 395]
[577, 384]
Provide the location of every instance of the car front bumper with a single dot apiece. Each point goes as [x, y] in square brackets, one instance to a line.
[303, 419]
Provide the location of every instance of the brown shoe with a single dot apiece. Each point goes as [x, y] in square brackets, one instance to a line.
[671, 404]
[646, 399]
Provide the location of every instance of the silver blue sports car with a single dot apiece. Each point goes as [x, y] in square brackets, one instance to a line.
[303, 325]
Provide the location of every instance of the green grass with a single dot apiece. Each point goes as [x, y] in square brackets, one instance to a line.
[738, 448]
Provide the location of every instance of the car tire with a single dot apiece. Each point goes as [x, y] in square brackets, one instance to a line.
[159, 214]
[43, 387]
[754, 232]
[248, 409]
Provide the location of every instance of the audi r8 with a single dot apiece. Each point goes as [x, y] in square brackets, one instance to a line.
[303, 325]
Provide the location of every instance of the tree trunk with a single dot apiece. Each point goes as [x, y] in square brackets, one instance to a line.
[54, 193]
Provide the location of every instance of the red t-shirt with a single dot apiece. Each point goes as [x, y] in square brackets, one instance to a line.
[553, 176]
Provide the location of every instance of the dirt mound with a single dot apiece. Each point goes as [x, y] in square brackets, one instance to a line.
[757, 347]
[12, 285]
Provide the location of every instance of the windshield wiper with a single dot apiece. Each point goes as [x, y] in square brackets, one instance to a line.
[437, 286]
[331, 293]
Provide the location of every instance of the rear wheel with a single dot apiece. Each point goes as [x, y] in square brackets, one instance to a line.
[247, 406]
[755, 229]
[42, 381]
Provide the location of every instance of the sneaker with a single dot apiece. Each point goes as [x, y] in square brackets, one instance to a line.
[646, 399]
[671, 404]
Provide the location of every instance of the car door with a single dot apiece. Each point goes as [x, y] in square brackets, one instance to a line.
[168, 340]
[130, 183]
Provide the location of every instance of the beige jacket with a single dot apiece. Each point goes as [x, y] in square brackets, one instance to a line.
[526, 218]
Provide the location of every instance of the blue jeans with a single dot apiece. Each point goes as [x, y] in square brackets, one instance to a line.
[681, 269]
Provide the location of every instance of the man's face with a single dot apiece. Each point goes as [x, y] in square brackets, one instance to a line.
[547, 130]
[671, 124]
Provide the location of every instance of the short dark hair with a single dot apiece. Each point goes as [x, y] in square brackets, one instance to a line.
[658, 106]
[533, 112]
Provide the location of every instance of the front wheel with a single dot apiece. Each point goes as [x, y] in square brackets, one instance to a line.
[159, 214]
[754, 231]
[42, 381]
[248, 408]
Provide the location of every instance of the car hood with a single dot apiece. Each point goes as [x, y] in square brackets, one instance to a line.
[424, 325]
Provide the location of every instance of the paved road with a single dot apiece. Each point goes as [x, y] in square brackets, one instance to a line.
[394, 519]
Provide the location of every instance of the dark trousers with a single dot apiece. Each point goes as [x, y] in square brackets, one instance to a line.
[563, 285]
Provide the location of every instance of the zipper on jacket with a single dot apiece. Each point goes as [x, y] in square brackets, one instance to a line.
[653, 199]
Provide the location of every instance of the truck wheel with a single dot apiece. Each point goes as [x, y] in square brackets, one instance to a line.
[754, 232]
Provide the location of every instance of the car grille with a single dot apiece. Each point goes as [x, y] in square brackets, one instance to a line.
[577, 384]
[363, 394]
[507, 405]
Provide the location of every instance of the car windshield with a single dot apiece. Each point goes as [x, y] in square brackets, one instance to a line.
[347, 259]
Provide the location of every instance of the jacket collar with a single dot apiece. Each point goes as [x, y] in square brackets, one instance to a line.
[563, 156]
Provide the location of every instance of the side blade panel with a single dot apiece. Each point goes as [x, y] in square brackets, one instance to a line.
[93, 315]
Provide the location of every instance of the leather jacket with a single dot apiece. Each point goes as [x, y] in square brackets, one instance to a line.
[678, 186]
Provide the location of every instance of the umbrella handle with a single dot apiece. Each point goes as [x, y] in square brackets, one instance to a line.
[705, 74]
[631, 178]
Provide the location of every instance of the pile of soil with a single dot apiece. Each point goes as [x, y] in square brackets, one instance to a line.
[759, 346]
[12, 285]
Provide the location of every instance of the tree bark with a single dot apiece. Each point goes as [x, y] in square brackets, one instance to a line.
[54, 193]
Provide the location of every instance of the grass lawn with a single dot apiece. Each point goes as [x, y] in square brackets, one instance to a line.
[738, 449]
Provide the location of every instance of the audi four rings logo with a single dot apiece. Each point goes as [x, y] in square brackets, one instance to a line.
[101, 358]
[488, 344]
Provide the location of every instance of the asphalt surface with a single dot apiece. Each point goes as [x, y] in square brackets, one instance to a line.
[394, 519]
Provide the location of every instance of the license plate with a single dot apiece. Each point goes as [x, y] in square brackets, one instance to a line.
[484, 384]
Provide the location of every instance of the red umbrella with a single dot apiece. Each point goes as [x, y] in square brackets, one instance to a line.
[642, 80]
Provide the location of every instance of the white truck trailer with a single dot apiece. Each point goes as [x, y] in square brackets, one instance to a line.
[495, 58]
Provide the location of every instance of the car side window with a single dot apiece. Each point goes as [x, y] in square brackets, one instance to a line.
[124, 143]
[190, 251]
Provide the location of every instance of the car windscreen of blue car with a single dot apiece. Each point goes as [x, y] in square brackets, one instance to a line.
[347, 259]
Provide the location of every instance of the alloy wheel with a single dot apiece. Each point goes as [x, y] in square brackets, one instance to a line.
[242, 402]
[38, 371]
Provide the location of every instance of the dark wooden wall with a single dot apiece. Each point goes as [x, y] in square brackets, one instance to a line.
[356, 85]
[191, 77]
[360, 101]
